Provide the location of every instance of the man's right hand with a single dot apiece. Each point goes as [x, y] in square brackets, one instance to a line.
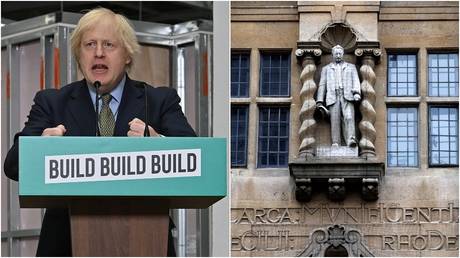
[319, 104]
[54, 131]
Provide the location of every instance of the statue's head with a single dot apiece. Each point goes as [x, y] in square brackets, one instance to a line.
[337, 53]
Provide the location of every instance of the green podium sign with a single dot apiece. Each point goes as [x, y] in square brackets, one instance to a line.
[182, 172]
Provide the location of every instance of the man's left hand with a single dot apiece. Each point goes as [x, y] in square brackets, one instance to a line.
[357, 97]
[137, 127]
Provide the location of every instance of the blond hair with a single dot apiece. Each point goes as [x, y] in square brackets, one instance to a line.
[126, 33]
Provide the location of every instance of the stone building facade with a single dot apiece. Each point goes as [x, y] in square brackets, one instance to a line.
[399, 194]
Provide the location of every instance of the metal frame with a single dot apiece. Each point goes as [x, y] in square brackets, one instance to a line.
[53, 30]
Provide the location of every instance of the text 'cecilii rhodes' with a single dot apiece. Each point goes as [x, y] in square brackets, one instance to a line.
[122, 166]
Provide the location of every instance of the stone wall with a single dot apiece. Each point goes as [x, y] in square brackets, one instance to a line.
[417, 212]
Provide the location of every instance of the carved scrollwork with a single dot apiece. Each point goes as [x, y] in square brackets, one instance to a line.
[336, 235]
[376, 52]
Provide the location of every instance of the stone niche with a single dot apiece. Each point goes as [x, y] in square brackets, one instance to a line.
[319, 163]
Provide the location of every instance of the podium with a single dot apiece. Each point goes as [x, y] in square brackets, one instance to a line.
[119, 190]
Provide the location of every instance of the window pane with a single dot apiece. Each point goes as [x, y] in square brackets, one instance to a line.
[402, 133]
[432, 60]
[443, 68]
[239, 135]
[273, 120]
[402, 75]
[443, 60]
[275, 76]
[411, 62]
[443, 135]
[240, 75]
[453, 60]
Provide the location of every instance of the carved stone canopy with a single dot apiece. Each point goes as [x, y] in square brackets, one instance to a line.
[337, 34]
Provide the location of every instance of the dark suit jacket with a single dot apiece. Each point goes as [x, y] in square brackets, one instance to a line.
[72, 107]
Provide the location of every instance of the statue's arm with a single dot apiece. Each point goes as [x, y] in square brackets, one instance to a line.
[320, 94]
[356, 84]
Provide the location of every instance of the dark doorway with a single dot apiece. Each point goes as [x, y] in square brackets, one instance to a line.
[338, 251]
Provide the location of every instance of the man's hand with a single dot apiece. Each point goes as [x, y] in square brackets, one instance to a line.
[54, 131]
[137, 127]
[357, 97]
[319, 104]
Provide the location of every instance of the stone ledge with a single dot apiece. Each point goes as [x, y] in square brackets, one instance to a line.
[337, 173]
[348, 168]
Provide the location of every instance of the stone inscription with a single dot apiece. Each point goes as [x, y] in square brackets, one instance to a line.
[430, 240]
[277, 229]
[262, 240]
[324, 214]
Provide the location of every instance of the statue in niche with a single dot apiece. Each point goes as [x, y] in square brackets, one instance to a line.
[339, 88]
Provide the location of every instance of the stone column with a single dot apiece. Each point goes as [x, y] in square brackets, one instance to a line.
[369, 57]
[308, 59]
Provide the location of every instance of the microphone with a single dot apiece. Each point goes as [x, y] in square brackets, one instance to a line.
[146, 129]
[97, 84]
[146, 117]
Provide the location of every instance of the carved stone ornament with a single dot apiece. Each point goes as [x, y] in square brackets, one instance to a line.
[308, 59]
[338, 33]
[376, 52]
[368, 57]
[337, 236]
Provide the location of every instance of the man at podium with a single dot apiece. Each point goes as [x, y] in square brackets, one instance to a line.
[104, 44]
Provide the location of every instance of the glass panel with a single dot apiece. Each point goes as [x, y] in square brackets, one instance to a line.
[392, 73]
[402, 149]
[411, 61]
[443, 74]
[276, 144]
[393, 128]
[443, 60]
[240, 75]
[282, 159]
[392, 145]
[239, 134]
[276, 61]
[443, 135]
[433, 74]
[453, 60]
[412, 145]
[275, 80]
[402, 61]
[412, 159]
[453, 158]
[444, 71]
[402, 75]
[392, 159]
[392, 115]
[453, 91]
[432, 60]
[402, 89]
[392, 60]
